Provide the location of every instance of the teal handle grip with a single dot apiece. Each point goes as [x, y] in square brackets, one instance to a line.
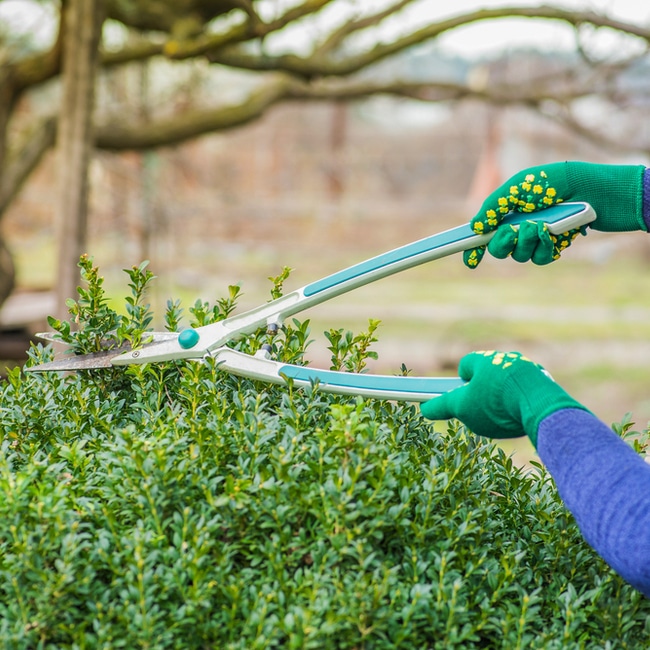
[405, 389]
[560, 218]
[411, 389]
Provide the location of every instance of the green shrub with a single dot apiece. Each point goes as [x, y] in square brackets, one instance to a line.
[176, 506]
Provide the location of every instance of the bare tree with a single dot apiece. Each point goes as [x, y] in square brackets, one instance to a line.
[248, 35]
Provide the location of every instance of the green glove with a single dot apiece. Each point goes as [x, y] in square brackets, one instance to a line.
[507, 396]
[532, 241]
[614, 191]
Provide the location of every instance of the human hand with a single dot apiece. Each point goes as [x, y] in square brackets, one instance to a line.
[506, 396]
[614, 191]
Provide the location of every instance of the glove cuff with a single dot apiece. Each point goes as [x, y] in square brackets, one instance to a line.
[547, 398]
[565, 402]
[618, 190]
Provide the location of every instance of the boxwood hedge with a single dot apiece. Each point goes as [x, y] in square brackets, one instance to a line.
[176, 506]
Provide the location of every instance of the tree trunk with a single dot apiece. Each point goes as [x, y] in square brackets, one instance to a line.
[75, 138]
[7, 270]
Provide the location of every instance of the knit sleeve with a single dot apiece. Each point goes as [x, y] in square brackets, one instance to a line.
[646, 198]
[606, 486]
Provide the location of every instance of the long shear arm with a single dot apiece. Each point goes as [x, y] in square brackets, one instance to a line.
[195, 343]
[410, 389]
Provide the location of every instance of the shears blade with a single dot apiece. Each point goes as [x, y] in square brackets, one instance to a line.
[79, 362]
[94, 360]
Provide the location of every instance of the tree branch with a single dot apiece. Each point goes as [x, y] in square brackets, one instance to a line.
[140, 50]
[40, 67]
[313, 66]
[497, 93]
[122, 135]
[43, 66]
[205, 43]
[126, 136]
[190, 124]
[337, 37]
[221, 48]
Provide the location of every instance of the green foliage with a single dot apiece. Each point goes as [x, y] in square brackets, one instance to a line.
[640, 441]
[350, 352]
[203, 313]
[182, 507]
[94, 325]
[139, 315]
[278, 282]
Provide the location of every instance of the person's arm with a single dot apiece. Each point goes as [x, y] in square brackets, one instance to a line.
[606, 486]
[603, 482]
[646, 198]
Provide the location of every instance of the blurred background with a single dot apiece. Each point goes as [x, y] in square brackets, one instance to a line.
[226, 139]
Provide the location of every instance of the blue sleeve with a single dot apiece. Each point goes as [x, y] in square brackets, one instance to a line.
[606, 486]
[646, 198]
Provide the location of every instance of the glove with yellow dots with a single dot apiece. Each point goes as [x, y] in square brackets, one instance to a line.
[506, 396]
[614, 191]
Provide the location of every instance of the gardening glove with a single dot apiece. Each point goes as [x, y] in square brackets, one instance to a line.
[614, 191]
[506, 396]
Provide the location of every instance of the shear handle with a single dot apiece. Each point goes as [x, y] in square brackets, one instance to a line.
[560, 218]
[403, 389]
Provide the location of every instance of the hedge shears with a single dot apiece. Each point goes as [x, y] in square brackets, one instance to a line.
[211, 340]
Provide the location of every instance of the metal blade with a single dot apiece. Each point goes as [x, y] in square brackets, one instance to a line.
[158, 337]
[80, 362]
[104, 359]
[50, 337]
